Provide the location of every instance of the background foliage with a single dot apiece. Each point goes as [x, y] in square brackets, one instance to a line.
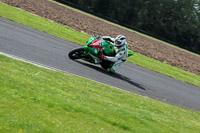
[175, 20]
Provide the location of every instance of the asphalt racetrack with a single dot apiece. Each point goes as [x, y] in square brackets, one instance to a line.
[30, 44]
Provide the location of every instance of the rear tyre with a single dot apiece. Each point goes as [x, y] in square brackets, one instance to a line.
[76, 54]
[106, 64]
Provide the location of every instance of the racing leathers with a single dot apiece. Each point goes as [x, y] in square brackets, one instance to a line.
[121, 53]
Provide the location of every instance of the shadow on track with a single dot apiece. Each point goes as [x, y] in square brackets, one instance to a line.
[116, 75]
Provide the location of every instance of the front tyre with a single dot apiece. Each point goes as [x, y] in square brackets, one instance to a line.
[76, 54]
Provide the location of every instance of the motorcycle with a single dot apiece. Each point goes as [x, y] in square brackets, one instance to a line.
[93, 50]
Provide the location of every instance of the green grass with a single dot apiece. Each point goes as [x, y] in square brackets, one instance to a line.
[66, 33]
[35, 99]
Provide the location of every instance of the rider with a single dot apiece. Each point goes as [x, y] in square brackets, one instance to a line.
[121, 50]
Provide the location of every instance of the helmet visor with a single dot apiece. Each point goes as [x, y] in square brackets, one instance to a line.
[117, 42]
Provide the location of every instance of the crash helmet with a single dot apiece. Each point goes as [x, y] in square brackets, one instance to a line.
[120, 40]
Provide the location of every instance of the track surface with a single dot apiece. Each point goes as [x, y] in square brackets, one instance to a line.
[34, 45]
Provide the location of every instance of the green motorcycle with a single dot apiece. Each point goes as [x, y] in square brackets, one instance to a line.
[93, 50]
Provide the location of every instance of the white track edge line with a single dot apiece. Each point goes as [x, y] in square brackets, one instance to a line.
[54, 69]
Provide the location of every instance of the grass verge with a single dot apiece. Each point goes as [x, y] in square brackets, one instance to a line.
[80, 38]
[35, 99]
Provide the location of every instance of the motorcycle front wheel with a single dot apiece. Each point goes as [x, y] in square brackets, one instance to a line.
[76, 54]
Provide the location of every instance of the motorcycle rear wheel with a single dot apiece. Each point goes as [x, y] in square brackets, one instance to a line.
[106, 64]
[76, 54]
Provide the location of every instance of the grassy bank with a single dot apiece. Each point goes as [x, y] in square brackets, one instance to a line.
[35, 99]
[80, 38]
